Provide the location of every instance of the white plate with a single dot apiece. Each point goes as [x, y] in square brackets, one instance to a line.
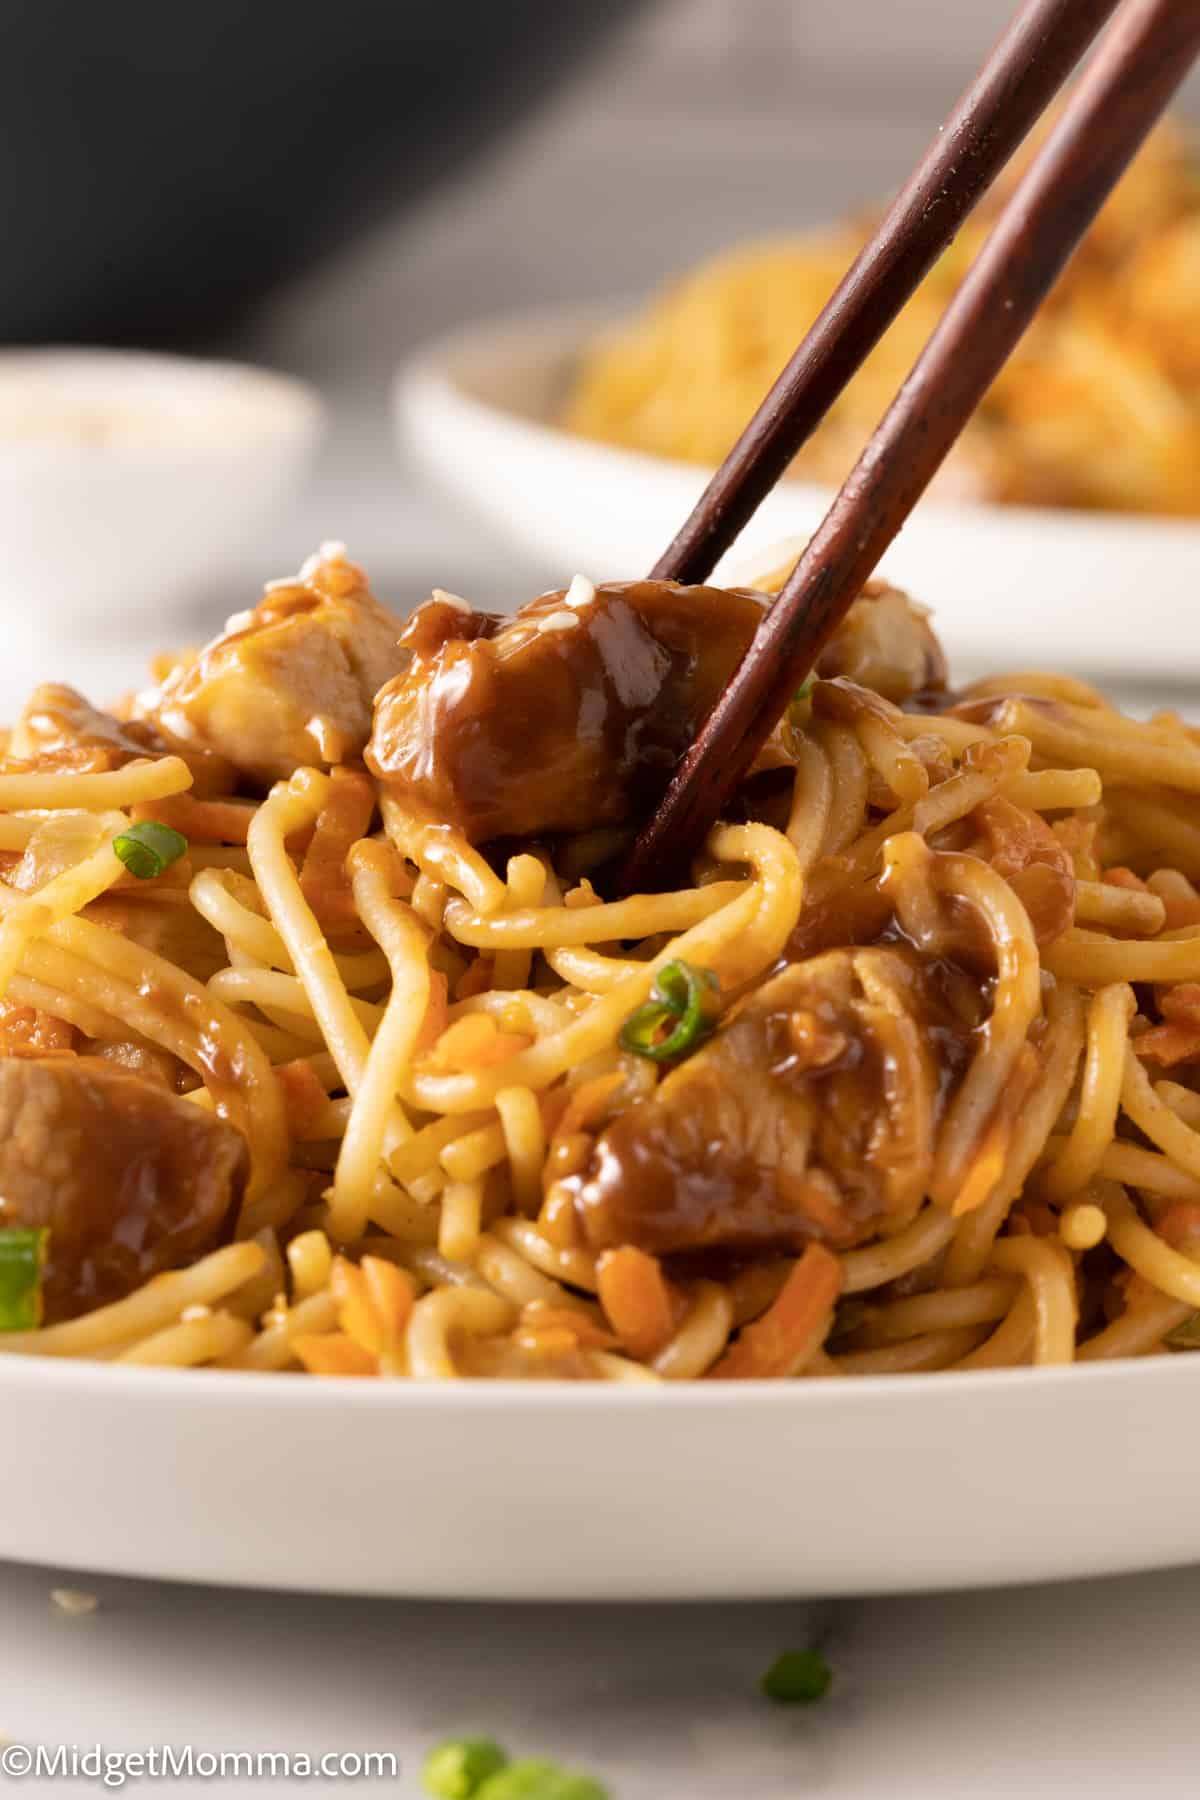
[1104, 593]
[552, 1491]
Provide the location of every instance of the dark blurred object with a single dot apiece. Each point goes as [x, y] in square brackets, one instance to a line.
[166, 164]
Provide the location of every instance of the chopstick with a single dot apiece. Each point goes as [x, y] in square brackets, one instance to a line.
[1141, 62]
[1009, 94]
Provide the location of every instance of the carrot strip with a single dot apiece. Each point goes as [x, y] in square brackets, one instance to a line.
[374, 1302]
[304, 1095]
[476, 1042]
[639, 1302]
[334, 1353]
[345, 817]
[1177, 1039]
[200, 821]
[794, 1326]
[1180, 1224]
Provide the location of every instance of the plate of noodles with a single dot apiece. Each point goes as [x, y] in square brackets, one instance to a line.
[588, 433]
[387, 1206]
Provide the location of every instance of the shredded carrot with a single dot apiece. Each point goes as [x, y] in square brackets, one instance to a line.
[542, 1322]
[303, 1095]
[794, 1326]
[334, 1353]
[1124, 878]
[476, 978]
[1180, 1224]
[200, 821]
[641, 1305]
[27, 1031]
[374, 1302]
[1181, 910]
[345, 817]
[585, 1108]
[1177, 1039]
[475, 1042]
[991, 1153]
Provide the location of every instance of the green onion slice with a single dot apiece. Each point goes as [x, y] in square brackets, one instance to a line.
[797, 1678]
[22, 1259]
[677, 1017]
[457, 1769]
[147, 849]
[805, 689]
[533, 1778]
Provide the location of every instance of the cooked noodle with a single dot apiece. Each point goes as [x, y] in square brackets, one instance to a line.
[425, 1052]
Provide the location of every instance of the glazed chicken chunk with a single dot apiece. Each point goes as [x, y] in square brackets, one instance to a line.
[60, 730]
[810, 1114]
[573, 713]
[565, 717]
[130, 1178]
[290, 684]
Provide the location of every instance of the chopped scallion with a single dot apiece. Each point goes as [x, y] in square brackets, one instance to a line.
[457, 1769]
[22, 1259]
[532, 1778]
[148, 848]
[797, 1678]
[676, 1018]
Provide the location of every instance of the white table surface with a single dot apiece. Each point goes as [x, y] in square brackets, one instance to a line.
[1057, 1691]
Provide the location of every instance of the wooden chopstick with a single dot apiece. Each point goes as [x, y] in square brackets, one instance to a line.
[1009, 94]
[1141, 62]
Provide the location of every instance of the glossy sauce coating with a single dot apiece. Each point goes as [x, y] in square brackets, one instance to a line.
[130, 1179]
[562, 718]
[572, 714]
[290, 684]
[812, 1113]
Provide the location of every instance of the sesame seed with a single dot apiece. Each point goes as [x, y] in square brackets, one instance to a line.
[581, 592]
[455, 600]
[192, 1315]
[239, 621]
[559, 621]
[73, 1600]
[332, 550]
[280, 581]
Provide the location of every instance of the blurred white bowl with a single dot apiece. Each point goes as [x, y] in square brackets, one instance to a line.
[1111, 594]
[126, 478]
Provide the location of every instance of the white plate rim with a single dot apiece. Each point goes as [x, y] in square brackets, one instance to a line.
[292, 1388]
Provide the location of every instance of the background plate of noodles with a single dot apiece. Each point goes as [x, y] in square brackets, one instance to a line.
[589, 434]
[385, 1207]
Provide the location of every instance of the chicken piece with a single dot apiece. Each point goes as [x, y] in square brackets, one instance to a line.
[812, 1113]
[56, 721]
[130, 1179]
[59, 729]
[573, 714]
[886, 643]
[568, 716]
[290, 684]
[1035, 863]
[176, 933]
